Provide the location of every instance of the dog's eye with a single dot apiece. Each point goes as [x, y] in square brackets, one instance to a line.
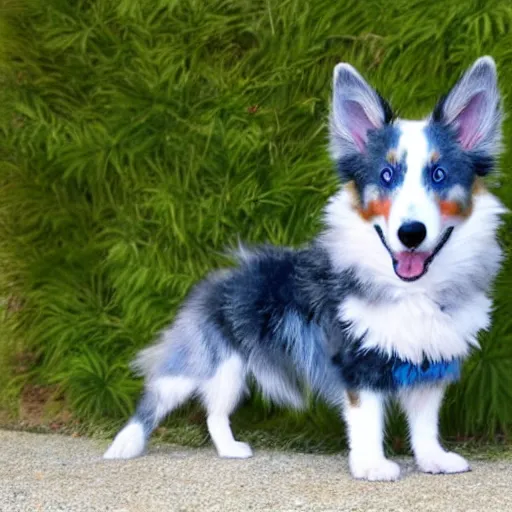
[386, 175]
[438, 174]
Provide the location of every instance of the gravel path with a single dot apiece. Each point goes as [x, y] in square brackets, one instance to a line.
[55, 473]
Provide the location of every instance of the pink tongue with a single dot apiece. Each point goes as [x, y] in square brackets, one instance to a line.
[410, 264]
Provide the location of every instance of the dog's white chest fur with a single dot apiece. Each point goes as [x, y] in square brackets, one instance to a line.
[416, 326]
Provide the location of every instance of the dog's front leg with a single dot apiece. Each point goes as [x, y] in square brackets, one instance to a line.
[364, 416]
[421, 405]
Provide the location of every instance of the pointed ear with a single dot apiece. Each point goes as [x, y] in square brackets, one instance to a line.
[356, 109]
[473, 108]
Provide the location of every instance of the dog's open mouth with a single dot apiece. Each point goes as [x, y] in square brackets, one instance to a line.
[411, 265]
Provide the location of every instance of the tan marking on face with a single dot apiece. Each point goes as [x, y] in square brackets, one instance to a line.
[451, 208]
[353, 398]
[479, 187]
[392, 157]
[458, 208]
[350, 187]
[454, 208]
[376, 208]
[434, 157]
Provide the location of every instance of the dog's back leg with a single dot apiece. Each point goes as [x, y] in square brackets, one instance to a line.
[160, 397]
[221, 394]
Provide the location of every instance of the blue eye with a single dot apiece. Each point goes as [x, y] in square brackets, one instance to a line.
[386, 175]
[438, 175]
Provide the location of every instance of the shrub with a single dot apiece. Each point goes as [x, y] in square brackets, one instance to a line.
[141, 137]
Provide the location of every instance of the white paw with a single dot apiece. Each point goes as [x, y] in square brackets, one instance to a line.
[235, 450]
[128, 443]
[380, 469]
[443, 462]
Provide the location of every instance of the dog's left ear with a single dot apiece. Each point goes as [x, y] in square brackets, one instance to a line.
[473, 109]
[356, 109]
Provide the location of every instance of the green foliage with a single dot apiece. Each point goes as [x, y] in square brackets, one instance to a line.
[96, 387]
[142, 137]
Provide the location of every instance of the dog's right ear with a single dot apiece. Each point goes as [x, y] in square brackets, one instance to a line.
[356, 109]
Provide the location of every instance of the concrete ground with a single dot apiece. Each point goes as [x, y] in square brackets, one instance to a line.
[55, 473]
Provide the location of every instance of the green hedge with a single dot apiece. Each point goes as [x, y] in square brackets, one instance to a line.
[142, 137]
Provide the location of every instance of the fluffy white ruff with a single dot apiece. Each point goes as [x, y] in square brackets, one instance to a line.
[409, 322]
[414, 327]
[129, 443]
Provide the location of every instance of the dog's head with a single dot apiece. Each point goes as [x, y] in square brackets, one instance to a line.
[414, 181]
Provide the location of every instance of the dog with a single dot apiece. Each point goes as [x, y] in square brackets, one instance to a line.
[385, 303]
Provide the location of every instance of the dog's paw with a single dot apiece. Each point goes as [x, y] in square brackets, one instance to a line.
[443, 462]
[235, 450]
[380, 469]
[129, 443]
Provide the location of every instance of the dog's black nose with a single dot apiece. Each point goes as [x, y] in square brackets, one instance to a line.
[411, 234]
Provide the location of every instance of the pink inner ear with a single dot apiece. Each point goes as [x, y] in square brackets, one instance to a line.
[358, 123]
[469, 121]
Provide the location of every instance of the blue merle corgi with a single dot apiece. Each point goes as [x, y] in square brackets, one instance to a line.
[385, 303]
